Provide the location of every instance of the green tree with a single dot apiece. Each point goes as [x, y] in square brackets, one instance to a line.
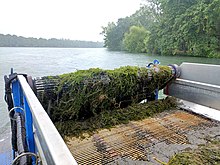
[114, 33]
[177, 27]
[15, 41]
[136, 39]
[188, 27]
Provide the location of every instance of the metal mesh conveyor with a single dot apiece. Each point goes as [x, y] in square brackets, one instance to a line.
[134, 141]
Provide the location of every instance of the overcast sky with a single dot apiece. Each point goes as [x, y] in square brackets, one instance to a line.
[69, 19]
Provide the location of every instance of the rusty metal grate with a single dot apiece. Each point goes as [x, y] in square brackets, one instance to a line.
[132, 140]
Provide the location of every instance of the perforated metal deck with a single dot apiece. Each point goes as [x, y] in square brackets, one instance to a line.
[133, 140]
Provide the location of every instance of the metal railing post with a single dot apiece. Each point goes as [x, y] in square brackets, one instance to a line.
[20, 101]
[17, 96]
[29, 129]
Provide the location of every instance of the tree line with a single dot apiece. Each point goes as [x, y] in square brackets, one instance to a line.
[168, 27]
[18, 41]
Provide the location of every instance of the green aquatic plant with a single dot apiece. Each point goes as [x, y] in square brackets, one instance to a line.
[86, 93]
[205, 154]
[108, 119]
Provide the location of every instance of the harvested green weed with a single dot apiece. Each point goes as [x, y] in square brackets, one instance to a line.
[86, 93]
[208, 154]
[108, 119]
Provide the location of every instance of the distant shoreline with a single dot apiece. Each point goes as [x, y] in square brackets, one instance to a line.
[53, 47]
[19, 41]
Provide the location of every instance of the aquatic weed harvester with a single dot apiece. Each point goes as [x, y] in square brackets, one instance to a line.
[96, 98]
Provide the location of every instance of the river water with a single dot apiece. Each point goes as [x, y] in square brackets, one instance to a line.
[39, 62]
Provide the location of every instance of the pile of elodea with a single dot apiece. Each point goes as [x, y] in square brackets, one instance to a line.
[205, 154]
[101, 97]
[110, 118]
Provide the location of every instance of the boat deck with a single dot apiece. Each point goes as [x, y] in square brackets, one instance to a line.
[142, 142]
[5, 146]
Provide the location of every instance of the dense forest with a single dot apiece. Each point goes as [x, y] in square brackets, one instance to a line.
[15, 41]
[168, 27]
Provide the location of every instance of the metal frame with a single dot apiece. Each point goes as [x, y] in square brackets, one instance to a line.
[200, 109]
[198, 83]
[49, 143]
[205, 73]
[20, 101]
[19, 104]
[197, 92]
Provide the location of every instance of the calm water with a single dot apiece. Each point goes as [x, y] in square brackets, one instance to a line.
[52, 61]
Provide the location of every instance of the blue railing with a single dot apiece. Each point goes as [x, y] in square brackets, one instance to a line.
[20, 101]
[44, 143]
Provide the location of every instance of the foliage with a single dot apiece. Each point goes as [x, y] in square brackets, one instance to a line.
[205, 154]
[190, 27]
[108, 119]
[114, 33]
[136, 39]
[15, 41]
[86, 93]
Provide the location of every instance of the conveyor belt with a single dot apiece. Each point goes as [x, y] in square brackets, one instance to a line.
[134, 139]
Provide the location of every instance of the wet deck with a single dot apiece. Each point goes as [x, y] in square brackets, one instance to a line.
[141, 142]
[5, 145]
